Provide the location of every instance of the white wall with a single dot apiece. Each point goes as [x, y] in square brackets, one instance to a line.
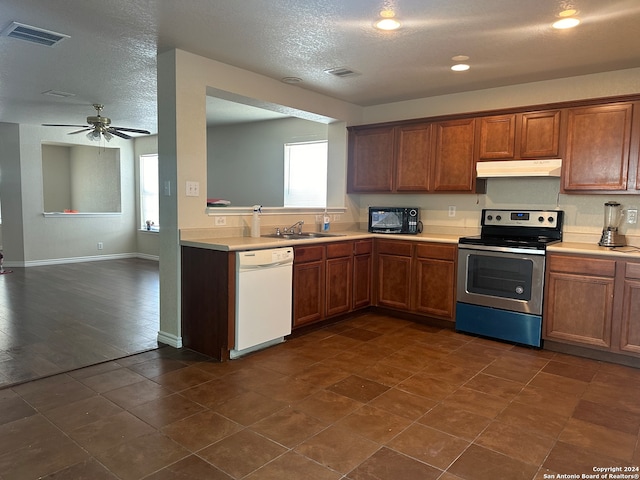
[30, 238]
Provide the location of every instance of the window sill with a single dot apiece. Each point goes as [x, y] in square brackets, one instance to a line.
[153, 230]
[81, 214]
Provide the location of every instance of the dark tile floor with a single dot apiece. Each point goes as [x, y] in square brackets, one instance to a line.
[370, 398]
[57, 318]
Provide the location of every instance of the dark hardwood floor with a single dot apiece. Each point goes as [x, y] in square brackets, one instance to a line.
[59, 318]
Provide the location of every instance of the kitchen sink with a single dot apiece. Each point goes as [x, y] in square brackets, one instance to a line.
[303, 235]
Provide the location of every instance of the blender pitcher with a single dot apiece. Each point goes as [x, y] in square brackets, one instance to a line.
[612, 220]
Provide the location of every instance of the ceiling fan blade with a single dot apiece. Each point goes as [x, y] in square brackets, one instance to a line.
[60, 125]
[134, 130]
[80, 131]
[119, 134]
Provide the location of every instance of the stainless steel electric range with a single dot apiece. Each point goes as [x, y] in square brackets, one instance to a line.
[501, 274]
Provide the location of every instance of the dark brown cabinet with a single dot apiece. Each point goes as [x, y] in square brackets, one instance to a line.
[630, 316]
[362, 273]
[597, 154]
[435, 280]
[330, 279]
[371, 159]
[412, 157]
[454, 167]
[579, 300]
[416, 277]
[308, 284]
[594, 302]
[393, 269]
[529, 135]
[339, 278]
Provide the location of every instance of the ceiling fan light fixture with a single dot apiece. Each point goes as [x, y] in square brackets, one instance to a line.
[93, 135]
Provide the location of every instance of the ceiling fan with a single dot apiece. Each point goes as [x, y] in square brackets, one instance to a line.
[99, 126]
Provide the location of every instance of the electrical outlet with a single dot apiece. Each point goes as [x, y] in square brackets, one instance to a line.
[193, 189]
[452, 210]
[632, 216]
[100, 246]
[219, 221]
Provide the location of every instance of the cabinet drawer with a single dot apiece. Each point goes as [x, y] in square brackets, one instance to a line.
[440, 252]
[632, 270]
[584, 265]
[362, 247]
[340, 249]
[402, 249]
[308, 254]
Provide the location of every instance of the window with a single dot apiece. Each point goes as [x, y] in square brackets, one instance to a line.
[149, 194]
[305, 174]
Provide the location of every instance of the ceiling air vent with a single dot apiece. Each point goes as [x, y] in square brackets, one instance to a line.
[341, 72]
[33, 34]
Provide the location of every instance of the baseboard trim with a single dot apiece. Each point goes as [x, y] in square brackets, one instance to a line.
[169, 339]
[93, 258]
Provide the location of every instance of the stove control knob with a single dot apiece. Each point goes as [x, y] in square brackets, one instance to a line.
[489, 217]
[541, 219]
[498, 217]
[519, 290]
[551, 219]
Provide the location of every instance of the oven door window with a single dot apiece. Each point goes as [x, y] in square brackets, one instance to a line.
[504, 277]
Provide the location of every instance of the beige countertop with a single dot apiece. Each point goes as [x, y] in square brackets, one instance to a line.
[594, 249]
[250, 243]
[231, 244]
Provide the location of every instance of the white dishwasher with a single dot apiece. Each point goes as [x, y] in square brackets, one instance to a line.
[264, 280]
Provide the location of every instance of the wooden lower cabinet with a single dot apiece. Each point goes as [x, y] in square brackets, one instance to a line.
[362, 273]
[339, 278]
[308, 284]
[630, 317]
[435, 280]
[331, 279]
[417, 277]
[393, 267]
[593, 301]
[579, 300]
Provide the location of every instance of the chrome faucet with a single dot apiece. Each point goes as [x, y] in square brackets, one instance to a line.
[298, 224]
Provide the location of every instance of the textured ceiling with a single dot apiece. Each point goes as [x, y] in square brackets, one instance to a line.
[110, 57]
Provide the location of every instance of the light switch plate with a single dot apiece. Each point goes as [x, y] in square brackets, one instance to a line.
[193, 189]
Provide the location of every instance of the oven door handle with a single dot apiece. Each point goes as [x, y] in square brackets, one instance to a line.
[489, 248]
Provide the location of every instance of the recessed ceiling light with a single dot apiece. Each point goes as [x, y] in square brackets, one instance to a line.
[460, 67]
[387, 24]
[568, 13]
[291, 80]
[566, 23]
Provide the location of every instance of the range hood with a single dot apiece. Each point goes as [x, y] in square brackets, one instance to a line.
[519, 168]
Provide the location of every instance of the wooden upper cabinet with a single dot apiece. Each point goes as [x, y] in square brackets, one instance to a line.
[498, 137]
[413, 159]
[371, 159]
[524, 136]
[454, 167]
[540, 134]
[597, 152]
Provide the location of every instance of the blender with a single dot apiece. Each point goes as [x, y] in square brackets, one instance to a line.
[612, 219]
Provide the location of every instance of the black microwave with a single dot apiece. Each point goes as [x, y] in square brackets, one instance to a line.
[394, 219]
